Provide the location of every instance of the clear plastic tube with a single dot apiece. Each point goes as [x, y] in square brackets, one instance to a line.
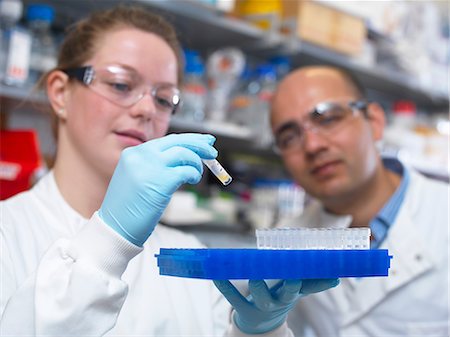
[218, 171]
[313, 238]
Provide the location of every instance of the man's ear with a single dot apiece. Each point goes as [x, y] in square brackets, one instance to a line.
[377, 120]
[57, 86]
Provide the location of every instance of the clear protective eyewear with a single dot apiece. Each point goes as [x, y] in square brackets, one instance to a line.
[125, 87]
[326, 118]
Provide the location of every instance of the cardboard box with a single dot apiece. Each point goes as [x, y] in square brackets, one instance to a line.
[326, 26]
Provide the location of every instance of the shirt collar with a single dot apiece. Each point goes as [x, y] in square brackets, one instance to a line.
[387, 215]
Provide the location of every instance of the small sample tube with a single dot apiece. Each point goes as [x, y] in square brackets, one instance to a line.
[313, 238]
[218, 171]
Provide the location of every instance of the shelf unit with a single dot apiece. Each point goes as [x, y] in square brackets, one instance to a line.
[205, 28]
[192, 19]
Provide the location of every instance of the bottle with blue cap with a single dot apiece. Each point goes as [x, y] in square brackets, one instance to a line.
[15, 44]
[282, 65]
[43, 48]
[194, 87]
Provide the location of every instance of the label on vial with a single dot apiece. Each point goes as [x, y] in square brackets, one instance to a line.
[218, 171]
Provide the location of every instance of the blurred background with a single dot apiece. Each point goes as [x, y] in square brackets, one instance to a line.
[236, 51]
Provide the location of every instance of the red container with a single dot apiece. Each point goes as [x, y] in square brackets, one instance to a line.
[19, 160]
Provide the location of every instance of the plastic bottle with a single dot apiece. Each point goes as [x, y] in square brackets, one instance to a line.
[263, 209]
[399, 139]
[244, 99]
[15, 44]
[404, 114]
[282, 66]
[224, 67]
[267, 80]
[43, 47]
[194, 88]
[291, 201]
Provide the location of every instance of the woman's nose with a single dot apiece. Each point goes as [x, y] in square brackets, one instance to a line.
[145, 107]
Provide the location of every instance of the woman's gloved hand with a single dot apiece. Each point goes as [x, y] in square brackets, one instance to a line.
[146, 177]
[265, 309]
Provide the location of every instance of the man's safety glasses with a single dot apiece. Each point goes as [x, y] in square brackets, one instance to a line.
[326, 119]
[125, 87]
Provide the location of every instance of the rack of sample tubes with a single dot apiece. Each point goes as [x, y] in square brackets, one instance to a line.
[313, 238]
[283, 254]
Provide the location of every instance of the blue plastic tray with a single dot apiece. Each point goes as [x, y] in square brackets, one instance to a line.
[257, 264]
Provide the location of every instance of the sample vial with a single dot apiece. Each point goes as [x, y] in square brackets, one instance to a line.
[218, 171]
[314, 238]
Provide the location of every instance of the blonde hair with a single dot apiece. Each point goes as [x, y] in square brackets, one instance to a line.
[80, 42]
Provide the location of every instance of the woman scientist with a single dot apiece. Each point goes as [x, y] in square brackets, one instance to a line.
[75, 256]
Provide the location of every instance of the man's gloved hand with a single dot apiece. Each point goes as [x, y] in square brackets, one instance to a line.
[265, 309]
[146, 177]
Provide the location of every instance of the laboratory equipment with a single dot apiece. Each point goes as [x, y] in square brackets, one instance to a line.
[313, 238]
[266, 79]
[217, 169]
[283, 254]
[265, 264]
[243, 99]
[282, 66]
[224, 66]
[15, 42]
[194, 91]
[43, 47]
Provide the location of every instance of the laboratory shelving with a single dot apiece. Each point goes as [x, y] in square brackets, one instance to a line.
[205, 28]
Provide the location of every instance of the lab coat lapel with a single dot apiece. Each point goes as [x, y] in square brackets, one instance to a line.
[187, 313]
[410, 259]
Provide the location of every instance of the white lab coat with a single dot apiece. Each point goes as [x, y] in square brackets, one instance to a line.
[63, 275]
[413, 300]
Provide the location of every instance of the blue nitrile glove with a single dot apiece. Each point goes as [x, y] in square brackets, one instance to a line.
[265, 309]
[146, 177]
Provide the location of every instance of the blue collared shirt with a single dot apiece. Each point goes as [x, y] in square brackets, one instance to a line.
[380, 225]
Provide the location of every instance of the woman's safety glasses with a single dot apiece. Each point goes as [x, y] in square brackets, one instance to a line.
[125, 87]
[326, 119]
